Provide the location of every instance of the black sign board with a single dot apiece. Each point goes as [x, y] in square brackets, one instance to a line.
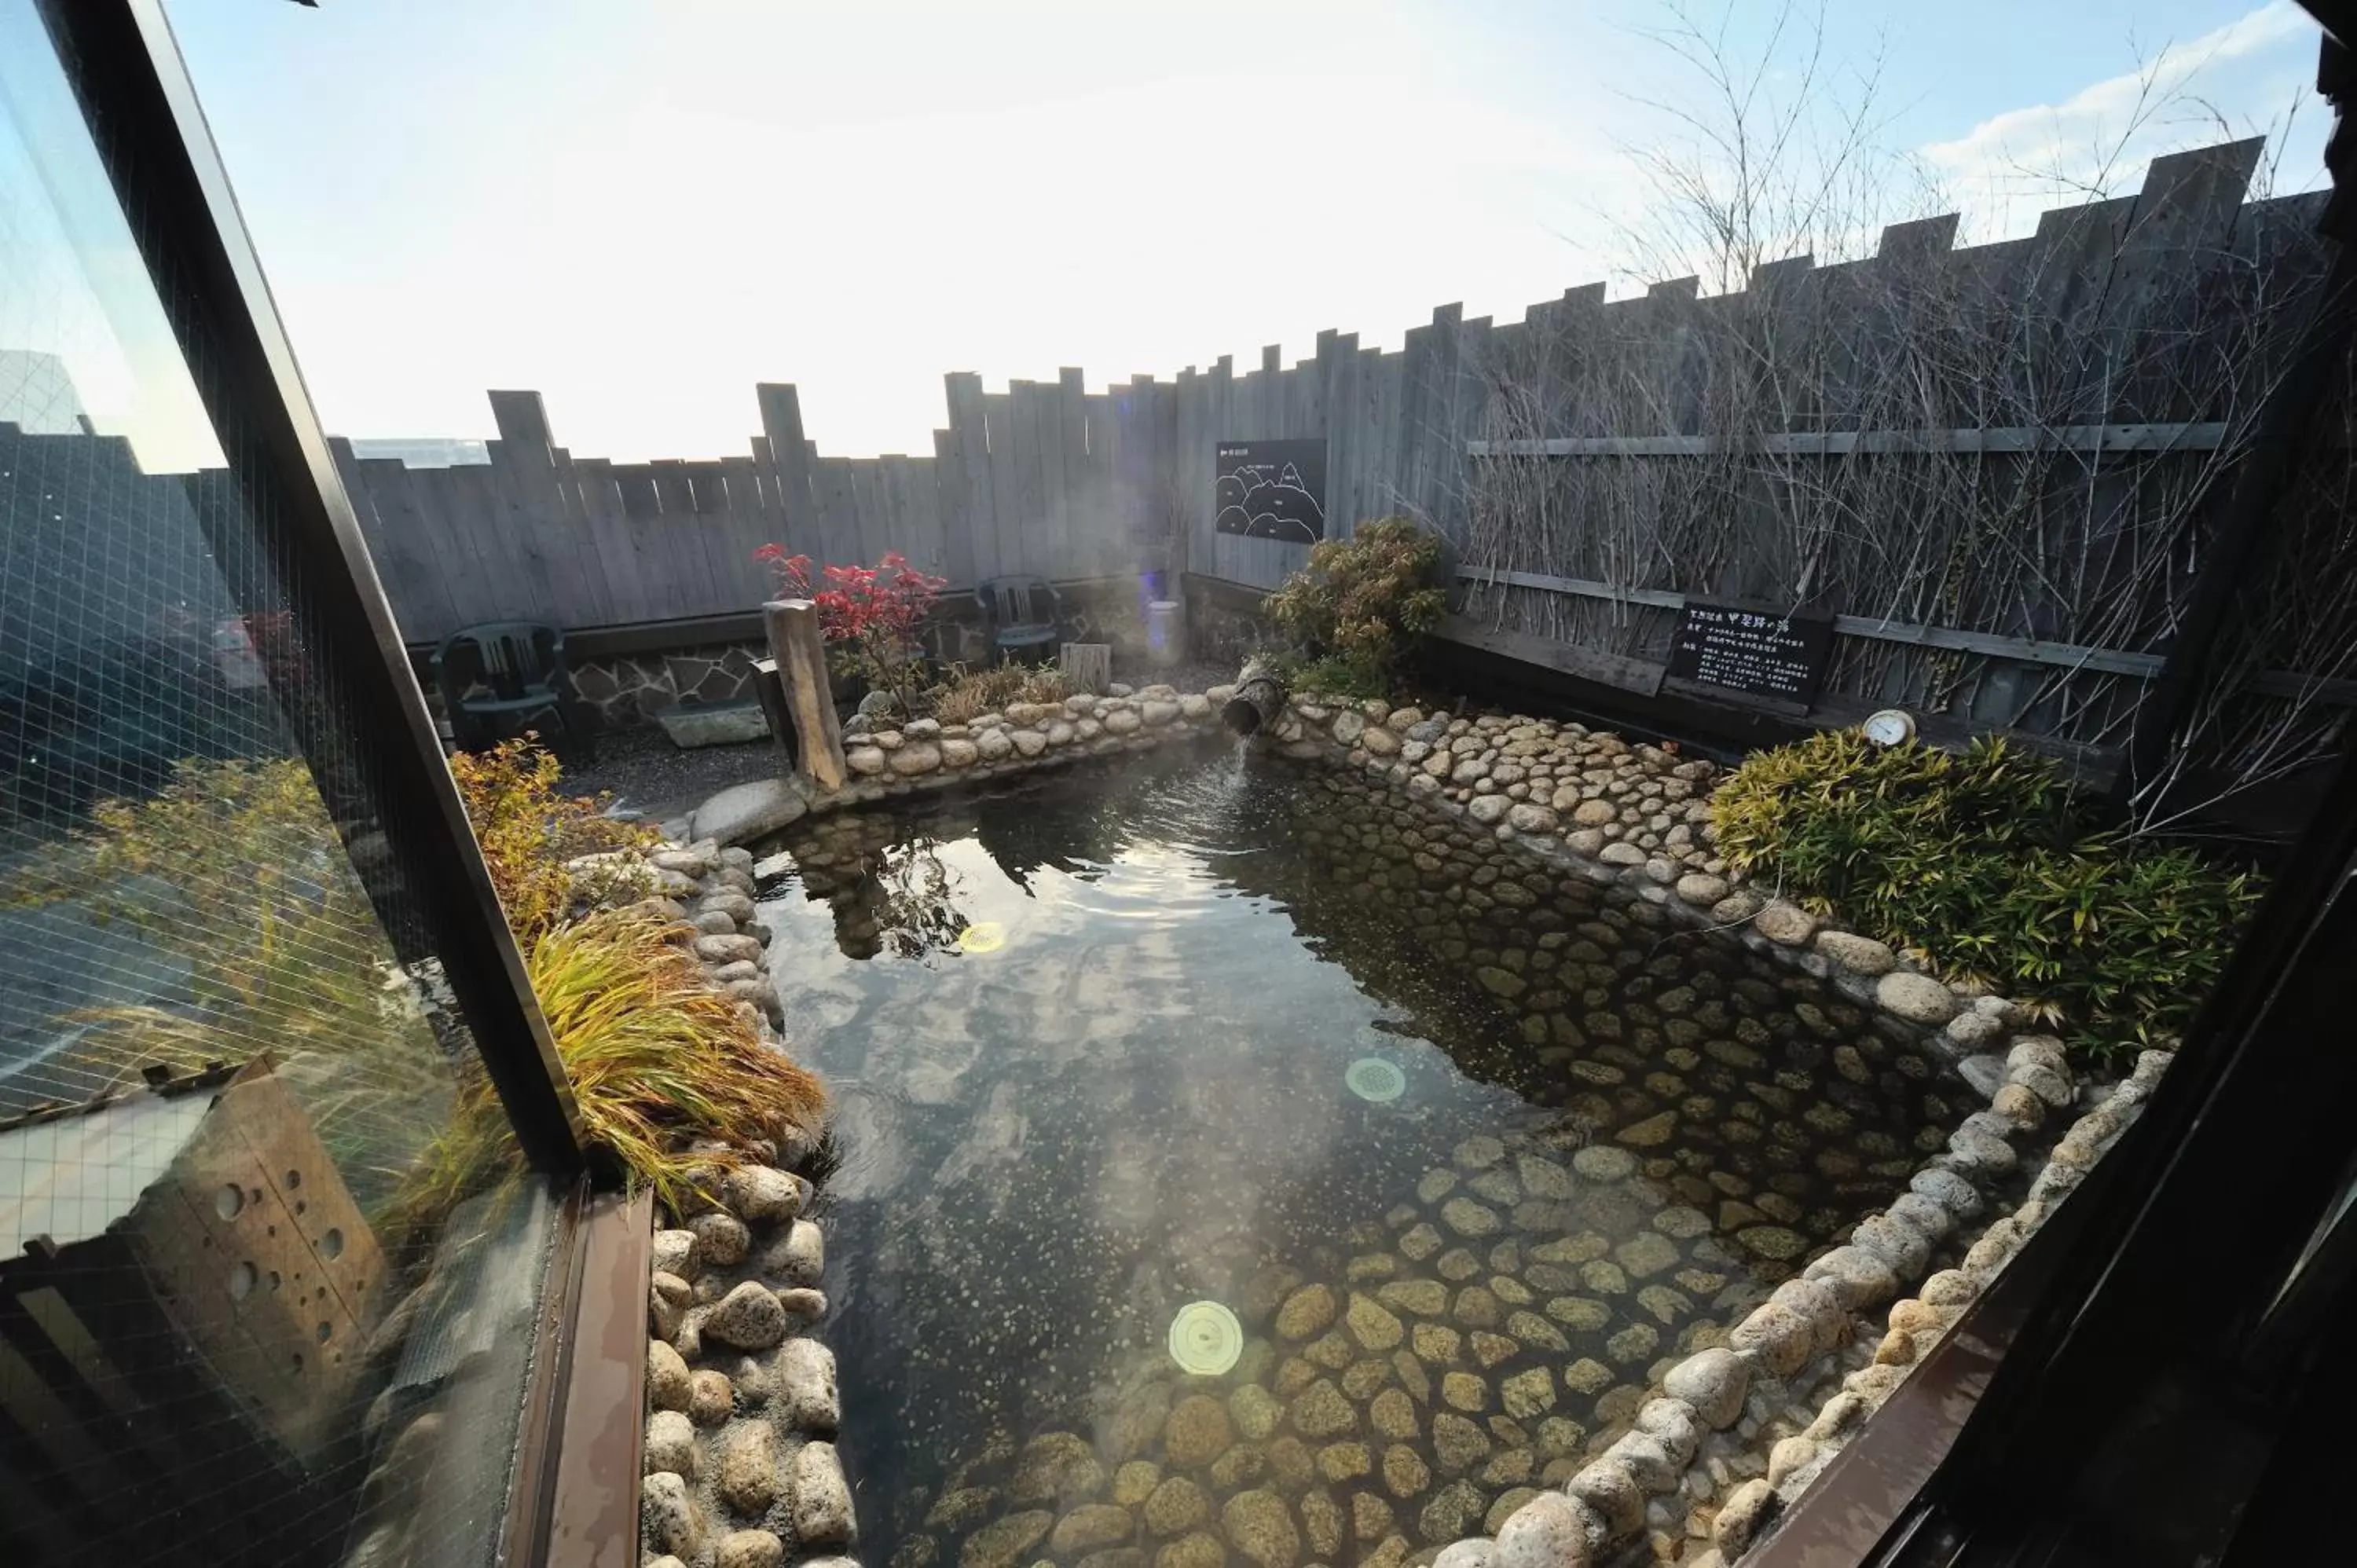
[1757, 653]
[1272, 489]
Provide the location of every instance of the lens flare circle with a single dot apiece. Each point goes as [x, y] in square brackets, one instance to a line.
[1205, 1338]
[1374, 1078]
[983, 936]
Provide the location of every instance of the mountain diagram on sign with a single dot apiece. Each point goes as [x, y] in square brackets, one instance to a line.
[1269, 500]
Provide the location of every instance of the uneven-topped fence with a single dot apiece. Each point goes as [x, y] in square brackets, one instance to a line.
[1997, 470]
[1994, 472]
[1044, 480]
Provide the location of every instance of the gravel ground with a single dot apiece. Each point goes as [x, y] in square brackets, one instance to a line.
[648, 775]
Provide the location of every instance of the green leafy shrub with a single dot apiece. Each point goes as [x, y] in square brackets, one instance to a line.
[1983, 867]
[1355, 612]
[1335, 675]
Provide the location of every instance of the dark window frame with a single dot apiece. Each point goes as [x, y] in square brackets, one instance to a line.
[142, 111]
[587, 1359]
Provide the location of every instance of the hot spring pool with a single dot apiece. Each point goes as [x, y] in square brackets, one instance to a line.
[1471, 1152]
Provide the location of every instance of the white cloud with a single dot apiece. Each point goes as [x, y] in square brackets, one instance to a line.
[2241, 80]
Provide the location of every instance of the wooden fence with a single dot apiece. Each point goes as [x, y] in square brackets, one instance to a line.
[1998, 468]
[1044, 480]
[1973, 456]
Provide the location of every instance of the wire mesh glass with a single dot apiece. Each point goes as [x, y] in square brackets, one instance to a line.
[268, 1262]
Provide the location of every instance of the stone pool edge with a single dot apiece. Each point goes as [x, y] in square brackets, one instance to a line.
[893, 763]
[722, 1478]
[740, 1458]
[1806, 1321]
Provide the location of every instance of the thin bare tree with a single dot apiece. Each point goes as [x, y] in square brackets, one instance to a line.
[1821, 380]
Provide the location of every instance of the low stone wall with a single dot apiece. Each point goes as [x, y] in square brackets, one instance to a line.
[740, 1464]
[925, 753]
[629, 689]
[625, 689]
[1721, 1442]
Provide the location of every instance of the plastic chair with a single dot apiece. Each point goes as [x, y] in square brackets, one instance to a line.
[1018, 619]
[496, 677]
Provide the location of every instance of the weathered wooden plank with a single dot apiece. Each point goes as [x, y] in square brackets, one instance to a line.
[1341, 420]
[671, 555]
[1003, 555]
[1362, 441]
[531, 582]
[522, 580]
[1078, 525]
[1636, 675]
[781, 427]
[883, 520]
[614, 538]
[914, 500]
[1317, 378]
[1034, 409]
[522, 420]
[1111, 542]
[416, 579]
[528, 515]
[873, 526]
[707, 486]
[1189, 429]
[525, 480]
[1385, 484]
[1430, 436]
[673, 493]
[686, 533]
[476, 593]
[1217, 397]
[952, 499]
[1049, 542]
[745, 527]
[836, 506]
[975, 508]
[1452, 479]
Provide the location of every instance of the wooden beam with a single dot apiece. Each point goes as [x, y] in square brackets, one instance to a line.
[1629, 674]
[800, 653]
[593, 1515]
[2023, 650]
[1088, 666]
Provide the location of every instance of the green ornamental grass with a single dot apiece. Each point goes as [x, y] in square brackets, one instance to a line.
[1984, 866]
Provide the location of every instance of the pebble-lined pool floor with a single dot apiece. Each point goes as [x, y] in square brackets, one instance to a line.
[1127, 1088]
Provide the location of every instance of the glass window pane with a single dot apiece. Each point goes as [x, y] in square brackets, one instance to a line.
[268, 1260]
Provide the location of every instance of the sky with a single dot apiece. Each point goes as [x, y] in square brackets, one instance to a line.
[641, 208]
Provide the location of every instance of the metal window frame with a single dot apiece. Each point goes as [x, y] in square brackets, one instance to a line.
[571, 1496]
[141, 108]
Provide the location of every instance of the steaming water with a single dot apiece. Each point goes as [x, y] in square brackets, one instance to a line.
[1139, 1101]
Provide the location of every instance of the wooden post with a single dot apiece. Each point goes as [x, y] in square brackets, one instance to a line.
[1088, 666]
[800, 653]
[776, 712]
[1260, 697]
